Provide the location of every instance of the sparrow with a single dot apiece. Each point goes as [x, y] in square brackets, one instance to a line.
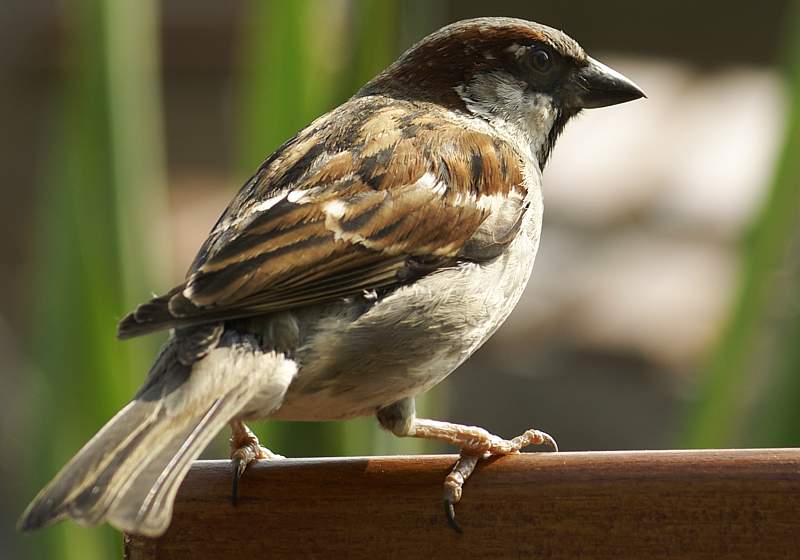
[364, 261]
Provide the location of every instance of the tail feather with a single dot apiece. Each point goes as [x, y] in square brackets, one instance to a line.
[129, 473]
[65, 493]
[145, 505]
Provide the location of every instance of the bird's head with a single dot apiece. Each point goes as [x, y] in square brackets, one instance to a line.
[514, 73]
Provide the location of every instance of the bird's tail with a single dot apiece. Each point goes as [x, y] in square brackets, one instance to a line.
[128, 474]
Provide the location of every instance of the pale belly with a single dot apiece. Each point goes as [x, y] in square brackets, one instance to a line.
[410, 340]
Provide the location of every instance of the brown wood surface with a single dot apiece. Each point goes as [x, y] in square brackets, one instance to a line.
[642, 505]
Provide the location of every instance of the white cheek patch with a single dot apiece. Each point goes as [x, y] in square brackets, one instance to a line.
[509, 94]
[509, 104]
[537, 117]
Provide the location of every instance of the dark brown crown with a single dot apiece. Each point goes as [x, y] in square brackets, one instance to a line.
[452, 55]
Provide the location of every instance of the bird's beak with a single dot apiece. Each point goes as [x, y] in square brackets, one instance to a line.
[597, 85]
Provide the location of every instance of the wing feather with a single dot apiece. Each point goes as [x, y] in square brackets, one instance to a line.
[354, 202]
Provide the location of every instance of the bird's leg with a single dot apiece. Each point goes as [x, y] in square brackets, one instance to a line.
[245, 449]
[475, 444]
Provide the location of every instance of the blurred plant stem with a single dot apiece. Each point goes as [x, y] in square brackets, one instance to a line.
[137, 145]
[100, 242]
[758, 352]
[777, 414]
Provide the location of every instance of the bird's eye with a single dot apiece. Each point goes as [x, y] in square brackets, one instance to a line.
[541, 61]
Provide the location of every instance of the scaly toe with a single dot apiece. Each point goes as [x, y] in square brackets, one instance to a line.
[264, 453]
[454, 485]
[532, 437]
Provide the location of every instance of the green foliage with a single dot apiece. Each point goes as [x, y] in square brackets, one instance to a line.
[102, 194]
[758, 350]
[777, 415]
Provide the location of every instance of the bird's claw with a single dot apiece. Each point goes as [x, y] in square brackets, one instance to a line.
[549, 443]
[245, 449]
[238, 470]
[450, 514]
[468, 460]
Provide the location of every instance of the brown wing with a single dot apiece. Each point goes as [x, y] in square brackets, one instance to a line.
[354, 202]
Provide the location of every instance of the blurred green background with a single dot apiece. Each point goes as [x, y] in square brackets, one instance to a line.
[664, 309]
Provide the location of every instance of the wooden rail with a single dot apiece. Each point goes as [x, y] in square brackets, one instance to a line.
[639, 505]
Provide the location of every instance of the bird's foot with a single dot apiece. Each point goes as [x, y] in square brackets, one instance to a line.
[475, 444]
[482, 446]
[245, 450]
